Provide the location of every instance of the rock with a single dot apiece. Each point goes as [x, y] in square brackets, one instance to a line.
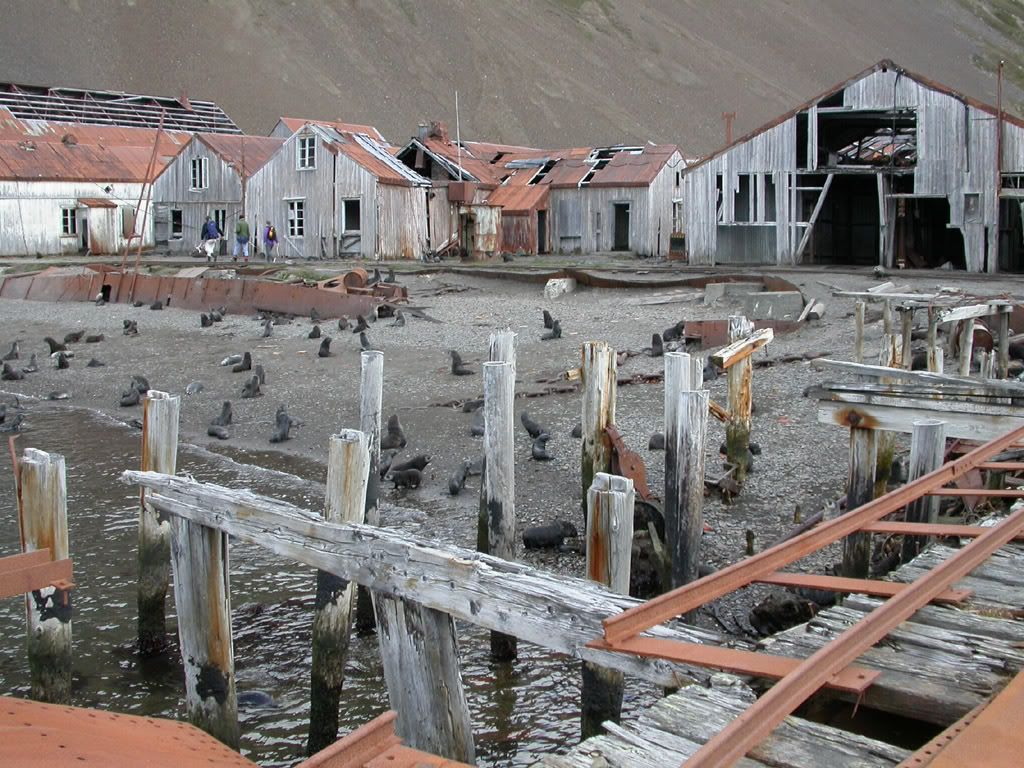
[558, 286]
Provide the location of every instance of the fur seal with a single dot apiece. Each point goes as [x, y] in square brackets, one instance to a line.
[418, 462]
[549, 536]
[314, 332]
[12, 374]
[283, 424]
[55, 346]
[215, 316]
[675, 332]
[224, 419]
[577, 431]
[364, 342]
[399, 319]
[268, 327]
[657, 442]
[129, 398]
[32, 366]
[554, 333]
[95, 338]
[215, 430]
[62, 361]
[314, 316]
[258, 371]
[390, 277]
[141, 383]
[252, 388]
[472, 405]
[406, 478]
[231, 360]
[58, 395]
[458, 367]
[137, 303]
[360, 324]
[244, 365]
[657, 348]
[157, 305]
[548, 319]
[458, 479]
[539, 450]
[73, 337]
[531, 426]
[205, 321]
[386, 457]
[325, 347]
[15, 352]
[14, 425]
[131, 328]
[395, 437]
[710, 372]
[95, 363]
[342, 323]
[374, 278]
[194, 388]
[477, 428]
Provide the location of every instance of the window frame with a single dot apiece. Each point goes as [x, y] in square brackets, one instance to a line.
[68, 215]
[295, 227]
[178, 234]
[348, 230]
[305, 153]
[201, 180]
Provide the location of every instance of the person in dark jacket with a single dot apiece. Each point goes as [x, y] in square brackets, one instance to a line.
[211, 235]
[241, 239]
[269, 241]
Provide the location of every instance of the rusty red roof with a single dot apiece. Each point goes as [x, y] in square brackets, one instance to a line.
[520, 198]
[371, 155]
[37, 150]
[482, 171]
[246, 153]
[295, 123]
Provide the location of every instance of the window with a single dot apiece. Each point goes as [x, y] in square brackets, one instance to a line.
[68, 222]
[199, 176]
[679, 178]
[350, 216]
[719, 199]
[220, 216]
[677, 216]
[769, 199]
[177, 224]
[306, 149]
[296, 218]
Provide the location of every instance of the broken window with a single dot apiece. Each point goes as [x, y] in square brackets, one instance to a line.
[677, 217]
[306, 149]
[177, 224]
[350, 221]
[296, 218]
[972, 207]
[719, 200]
[744, 204]
[544, 171]
[679, 178]
[199, 175]
[769, 199]
[68, 221]
[220, 216]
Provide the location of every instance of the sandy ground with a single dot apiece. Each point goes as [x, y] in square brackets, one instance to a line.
[802, 463]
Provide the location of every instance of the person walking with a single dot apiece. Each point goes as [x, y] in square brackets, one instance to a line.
[269, 241]
[241, 239]
[211, 235]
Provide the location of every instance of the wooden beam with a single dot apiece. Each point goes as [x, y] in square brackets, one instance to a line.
[811, 221]
[973, 311]
[851, 395]
[967, 426]
[1002, 388]
[552, 610]
[740, 350]
[21, 575]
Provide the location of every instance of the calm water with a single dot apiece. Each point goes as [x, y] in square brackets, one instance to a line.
[518, 712]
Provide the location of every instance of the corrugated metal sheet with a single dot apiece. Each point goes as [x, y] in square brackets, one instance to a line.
[519, 232]
[286, 126]
[247, 154]
[519, 198]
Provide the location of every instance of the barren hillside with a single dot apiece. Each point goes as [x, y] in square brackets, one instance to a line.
[543, 72]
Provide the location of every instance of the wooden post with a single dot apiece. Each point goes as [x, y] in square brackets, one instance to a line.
[202, 598]
[43, 522]
[927, 450]
[907, 323]
[371, 396]
[609, 554]
[740, 377]
[421, 667]
[935, 352]
[496, 527]
[686, 409]
[347, 471]
[1003, 334]
[887, 317]
[502, 348]
[599, 371]
[159, 454]
[858, 340]
[966, 346]
[860, 489]
[891, 355]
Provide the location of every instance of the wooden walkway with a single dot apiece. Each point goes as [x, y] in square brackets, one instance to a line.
[936, 667]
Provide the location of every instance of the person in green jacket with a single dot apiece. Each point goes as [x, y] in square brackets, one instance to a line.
[241, 239]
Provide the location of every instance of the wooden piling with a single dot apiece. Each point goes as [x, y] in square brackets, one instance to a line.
[860, 489]
[347, 471]
[935, 352]
[685, 429]
[371, 396]
[609, 554]
[907, 328]
[159, 454]
[1003, 344]
[202, 598]
[496, 529]
[966, 346]
[740, 379]
[501, 348]
[860, 308]
[887, 317]
[891, 356]
[927, 451]
[43, 522]
[598, 373]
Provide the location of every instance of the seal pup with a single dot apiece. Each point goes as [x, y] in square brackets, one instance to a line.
[32, 366]
[62, 361]
[259, 372]
[458, 479]
[314, 332]
[657, 442]
[131, 328]
[399, 319]
[205, 321]
[657, 348]
[364, 342]
[141, 383]
[386, 457]
[231, 360]
[577, 431]
[252, 388]
[224, 418]
[554, 333]
[74, 337]
[215, 430]
[674, 333]
[94, 363]
[710, 372]
[477, 428]
[14, 425]
[15, 352]
[95, 338]
[390, 276]
[406, 478]
[532, 427]
[129, 398]
[194, 388]
[539, 450]
[472, 405]
[137, 303]
[360, 325]
[158, 304]
[342, 323]
[314, 316]
[395, 437]
[268, 327]
[12, 374]
[283, 424]
[418, 462]
[325, 347]
[374, 278]
[55, 346]
[458, 367]
[244, 365]
[548, 319]
[551, 536]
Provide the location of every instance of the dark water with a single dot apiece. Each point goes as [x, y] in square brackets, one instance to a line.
[518, 711]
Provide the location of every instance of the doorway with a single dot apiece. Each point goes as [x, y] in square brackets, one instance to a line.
[620, 234]
[542, 231]
[83, 228]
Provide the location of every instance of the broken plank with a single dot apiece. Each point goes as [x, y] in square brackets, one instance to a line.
[1004, 388]
[969, 426]
[740, 350]
[973, 311]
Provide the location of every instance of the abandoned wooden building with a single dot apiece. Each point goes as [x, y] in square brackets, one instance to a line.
[207, 178]
[70, 188]
[886, 168]
[339, 194]
[286, 126]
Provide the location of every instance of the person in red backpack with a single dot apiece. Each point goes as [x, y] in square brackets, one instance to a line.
[269, 241]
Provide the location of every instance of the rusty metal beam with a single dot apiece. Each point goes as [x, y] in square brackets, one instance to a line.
[1003, 466]
[27, 572]
[760, 719]
[854, 680]
[858, 586]
[928, 529]
[691, 596]
[1002, 493]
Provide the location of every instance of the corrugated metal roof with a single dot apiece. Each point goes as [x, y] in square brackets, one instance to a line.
[246, 153]
[97, 202]
[38, 150]
[371, 155]
[295, 123]
[520, 198]
[448, 151]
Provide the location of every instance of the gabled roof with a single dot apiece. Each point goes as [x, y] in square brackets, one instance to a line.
[448, 155]
[519, 198]
[294, 123]
[371, 155]
[89, 107]
[38, 150]
[882, 66]
[617, 167]
[246, 154]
